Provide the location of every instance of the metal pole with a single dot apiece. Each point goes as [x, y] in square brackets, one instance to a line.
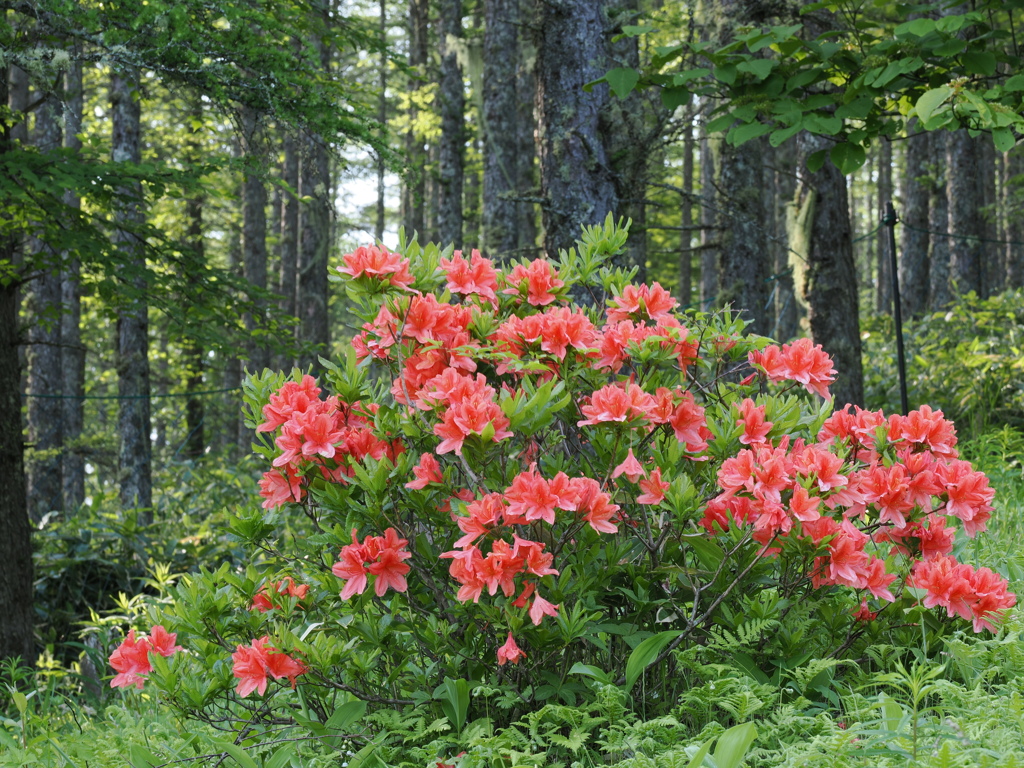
[901, 361]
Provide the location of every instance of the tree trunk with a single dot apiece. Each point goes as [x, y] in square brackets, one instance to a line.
[1013, 208]
[708, 232]
[576, 181]
[254, 237]
[883, 284]
[453, 138]
[72, 349]
[913, 270]
[686, 214]
[133, 422]
[382, 116]
[501, 128]
[743, 252]
[45, 435]
[526, 131]
[992, 267]
[830, 283]
[965, 223]
[787, 308]
[313, 248]
[16, 629]
[195, 360]
[414, 183]
[289, 237]
[938, 221]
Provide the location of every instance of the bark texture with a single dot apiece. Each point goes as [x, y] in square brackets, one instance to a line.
[686, 215]
[939, 294]
[254, 235]
[414, 186]
[501, 129]
[883, 282]
[831, 277]
[45, 433]
[913, 237]
[1013, 206]
[289, 251]
[963, 191]
[709, 233]
[72, 349]
[577, 183]
[314, 241]
[16, 628]
[451, 169]
[133, 421]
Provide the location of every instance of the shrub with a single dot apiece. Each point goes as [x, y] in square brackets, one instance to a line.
[514, 503]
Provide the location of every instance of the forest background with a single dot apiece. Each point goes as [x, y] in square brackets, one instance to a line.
[180, 177]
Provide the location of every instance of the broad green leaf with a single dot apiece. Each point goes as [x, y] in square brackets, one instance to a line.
[733, 745]
[780, 135]
[579, 668]
[1003, 139]
[675, 97]
[980, 63]
[816, 160]
[345, 715]
[1015, 83]
[140, 757]
[916, 27]
[759, 68]
[240, 755]
[847, 157]
[281, 757]
[744, 133]
[698, 758]
[931, 100]
[645, 654]
[622, 80]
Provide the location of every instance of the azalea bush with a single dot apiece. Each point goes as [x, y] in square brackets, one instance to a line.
[543, 485]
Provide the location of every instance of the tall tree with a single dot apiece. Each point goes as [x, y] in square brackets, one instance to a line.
[133, 423]
[44, 469]
[709, 242]
[883, 282]
[414, 189]
[744, 255]
[831, 276]
[938, 221]
[72, 349]
[1013, 207]
[577, 184]
[16, 633]
[501, 127]
[913, 262]
[254, 231]
[451, 167]
[963, 157]
[289, 242]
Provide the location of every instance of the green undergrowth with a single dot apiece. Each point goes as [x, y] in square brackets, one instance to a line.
[928, 696]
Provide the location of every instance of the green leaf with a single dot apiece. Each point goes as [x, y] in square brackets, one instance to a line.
[140, 757]
[733, 745]
[345, 715]
[579, 668]
[698, 758]
[1015, 83]
[1003, 139]
[743, 133]
[726, 73]
[281, 757]
[931, 100]
[980, 63]
[454, 697]
[622, 80]
[847, 157]
[759, 68]
[816, 160]
[916, 27]
[720, 123]
[645, 654]
[240, 755]
[782, 134]
[634, 30]
[675, 97]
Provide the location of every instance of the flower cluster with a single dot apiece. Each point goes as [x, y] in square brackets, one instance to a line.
[802, 361]
[377, 263]
[254, 662]
[898, 477]
[324, 434]
[385, 555]
[974, 595]
[131, 658]
[263, 600]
